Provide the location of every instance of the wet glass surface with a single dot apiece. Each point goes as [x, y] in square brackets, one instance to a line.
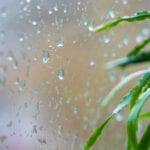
[53, 75]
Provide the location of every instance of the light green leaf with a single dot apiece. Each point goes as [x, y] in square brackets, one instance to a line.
[141, 15]
[121, 84]
[145, 115]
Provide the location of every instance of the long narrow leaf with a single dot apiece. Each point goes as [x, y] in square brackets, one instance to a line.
[121, 84]
[139, 47]
[144, 143]
[142, 15]
[95, 134]
[133, 59]
[133, 120]
[145, 115]
[136, 91]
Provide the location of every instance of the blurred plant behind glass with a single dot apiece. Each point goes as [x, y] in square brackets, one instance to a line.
[52, 74]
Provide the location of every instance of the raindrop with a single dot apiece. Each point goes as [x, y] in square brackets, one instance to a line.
[91, 62]
[55, 8]
[112, 75]
[106, 39]
[42, 141]
[3, 69]
[45, 56]
[126, 41]
[90, 27]
[34, 23]
[119, 117]
[2, 139]
[9, 124]
[38, 7]
[28, 1]
[60, 73]
[74, 141]
[2, 82]
[59, 130]
[60, 42]
[75, 109]
[3, 12]
[139, 39]
[146, 31]
[111, 12]
[125, 2]
[50, 12]
[21, 85]
[65, 10]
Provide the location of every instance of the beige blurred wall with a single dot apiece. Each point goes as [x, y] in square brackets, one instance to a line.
[47, 113]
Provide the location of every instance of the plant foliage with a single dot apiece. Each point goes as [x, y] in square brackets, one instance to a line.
[136, 97]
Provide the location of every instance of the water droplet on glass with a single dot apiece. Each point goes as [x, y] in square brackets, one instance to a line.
[111, 12]
[28, 1]
[74, 141]
[59, 130]
[45, 56]
[119, 117]
[60, 42]
[38, 7]
[112, 75]
[65, 10]
[50, 12]
[125, 2]
[42, 141]
[34, 23]
[91, 62]
[9, 124]
[60, 73]
[90, 27]
[55, 8]
[106, 39]
[75, 109]
[139, 38]
[3, 12]
[21, 85]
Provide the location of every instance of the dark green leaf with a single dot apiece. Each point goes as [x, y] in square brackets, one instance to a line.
[133, 120]
[124, 102]
[136, 91]
[133, 59]
[144, 143]
[139, 47]
[95, 134]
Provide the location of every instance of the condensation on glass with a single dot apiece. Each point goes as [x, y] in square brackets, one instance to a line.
[52, 71]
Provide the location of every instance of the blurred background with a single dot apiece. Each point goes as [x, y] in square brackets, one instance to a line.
[53, 73]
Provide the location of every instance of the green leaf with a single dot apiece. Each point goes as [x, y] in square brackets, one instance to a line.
[145, 115]
[133, 120]
[95, 134]
[133, 59]
[121, 84]
[98, 131]
[139, 47]
[144, 143]
[138, 16]
[136, 91]
[124, 102]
